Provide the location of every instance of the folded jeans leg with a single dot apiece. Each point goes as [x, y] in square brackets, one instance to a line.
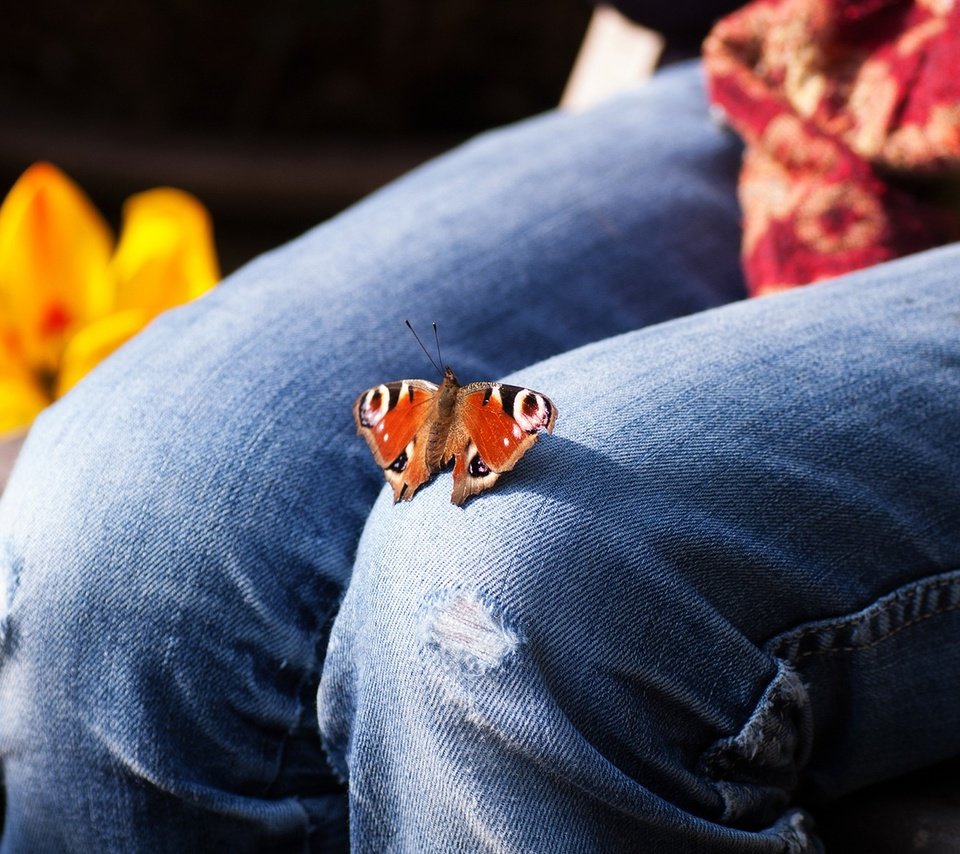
[726, 587]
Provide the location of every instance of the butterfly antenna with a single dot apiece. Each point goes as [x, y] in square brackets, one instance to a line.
[414, 331]
[436, 336]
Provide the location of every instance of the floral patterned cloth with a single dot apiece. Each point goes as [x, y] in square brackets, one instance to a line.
[850, 110]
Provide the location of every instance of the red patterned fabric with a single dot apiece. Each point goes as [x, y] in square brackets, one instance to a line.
[850, 110]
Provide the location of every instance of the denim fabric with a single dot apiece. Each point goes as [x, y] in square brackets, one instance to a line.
[716, 590]
[730, 579]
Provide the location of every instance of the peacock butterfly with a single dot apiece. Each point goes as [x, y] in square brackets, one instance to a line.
[415, 428]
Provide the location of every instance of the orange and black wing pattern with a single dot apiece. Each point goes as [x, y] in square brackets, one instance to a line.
[501, 423]
[392, 417]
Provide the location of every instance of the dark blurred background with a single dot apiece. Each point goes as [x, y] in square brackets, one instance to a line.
[276, 115]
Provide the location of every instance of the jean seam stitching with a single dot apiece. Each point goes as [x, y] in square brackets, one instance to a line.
[886, 636]
[779, 645]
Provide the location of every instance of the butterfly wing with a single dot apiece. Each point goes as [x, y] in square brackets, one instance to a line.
[392, 418]
[498, 425]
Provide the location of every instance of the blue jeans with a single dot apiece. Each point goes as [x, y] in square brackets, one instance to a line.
[727, 587]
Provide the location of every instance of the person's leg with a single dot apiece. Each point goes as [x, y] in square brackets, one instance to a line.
[729, 583]
[179, 529]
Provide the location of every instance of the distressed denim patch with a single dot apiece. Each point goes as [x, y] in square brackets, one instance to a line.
[756, 769]
[468, 631]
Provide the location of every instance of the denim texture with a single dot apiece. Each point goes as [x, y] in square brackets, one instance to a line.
[731, 578]
[726, 585]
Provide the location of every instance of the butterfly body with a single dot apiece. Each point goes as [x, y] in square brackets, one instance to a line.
[415, 428]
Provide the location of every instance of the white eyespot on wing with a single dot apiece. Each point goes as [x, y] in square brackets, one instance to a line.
[531, 410]
[374, 406]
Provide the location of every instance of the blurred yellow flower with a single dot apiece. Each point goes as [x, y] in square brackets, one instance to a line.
[69, 297]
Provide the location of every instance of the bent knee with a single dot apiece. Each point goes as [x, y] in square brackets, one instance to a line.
[146, 631]
[482, 648]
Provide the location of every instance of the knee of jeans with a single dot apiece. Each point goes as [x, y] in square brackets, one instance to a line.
[500, 638]
[149, 627]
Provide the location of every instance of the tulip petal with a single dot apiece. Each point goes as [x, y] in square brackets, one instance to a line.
[166, 254]
[54, 255]
[92, 344]
[21, 400]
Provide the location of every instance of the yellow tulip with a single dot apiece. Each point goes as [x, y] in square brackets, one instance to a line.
[69, 297]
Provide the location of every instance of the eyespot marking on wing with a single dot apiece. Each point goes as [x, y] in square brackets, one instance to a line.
[400, 463]
[532, 410]
[374, 406]
[403, 458]
[476, 467]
